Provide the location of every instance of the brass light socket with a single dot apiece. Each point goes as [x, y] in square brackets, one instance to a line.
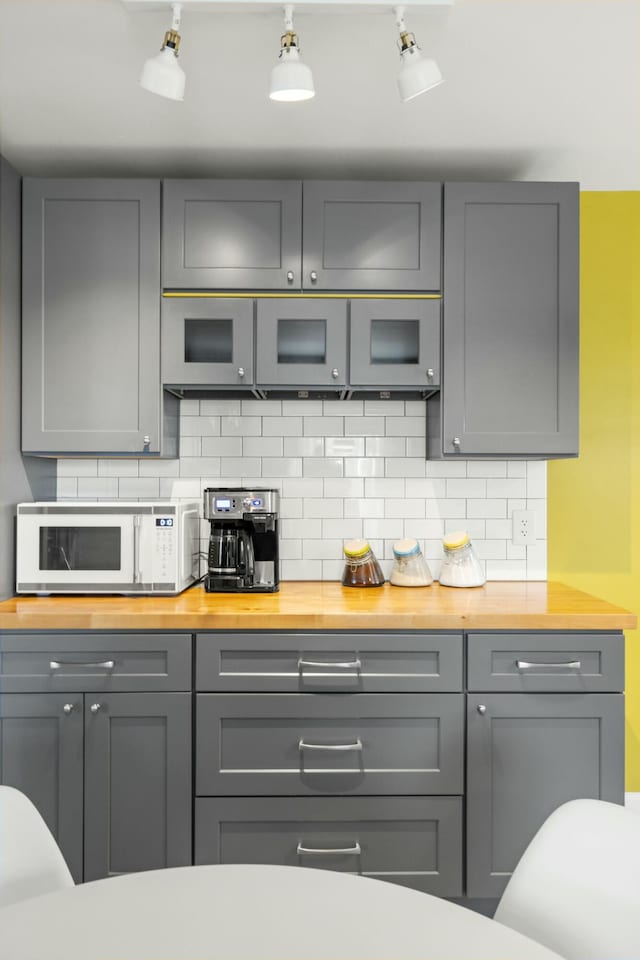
[171, 39]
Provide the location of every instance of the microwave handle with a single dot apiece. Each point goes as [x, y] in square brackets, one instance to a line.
[136, 548]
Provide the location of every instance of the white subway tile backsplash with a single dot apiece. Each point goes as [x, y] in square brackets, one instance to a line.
[136, 487]
[345, 469]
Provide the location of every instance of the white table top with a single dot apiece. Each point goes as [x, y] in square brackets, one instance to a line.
[239, 912]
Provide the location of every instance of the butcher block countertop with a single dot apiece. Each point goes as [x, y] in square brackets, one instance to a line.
[498, 605]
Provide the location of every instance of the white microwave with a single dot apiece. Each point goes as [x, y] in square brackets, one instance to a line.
[107, 547]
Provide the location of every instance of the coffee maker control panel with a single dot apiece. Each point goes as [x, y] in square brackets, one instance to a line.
[227, 504]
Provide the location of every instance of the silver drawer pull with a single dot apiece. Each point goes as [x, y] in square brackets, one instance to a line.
[102, 665]
[354, 851]
[569, 665]
[347, 665]
[357, 745]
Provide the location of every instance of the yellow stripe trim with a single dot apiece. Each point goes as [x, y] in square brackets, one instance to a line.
[261, 295]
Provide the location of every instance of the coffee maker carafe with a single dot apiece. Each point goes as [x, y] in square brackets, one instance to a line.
[243, 544]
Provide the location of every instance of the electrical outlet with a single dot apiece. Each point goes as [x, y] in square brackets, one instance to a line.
[524, 527]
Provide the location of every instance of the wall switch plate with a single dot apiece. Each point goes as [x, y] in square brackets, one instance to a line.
[524, 527]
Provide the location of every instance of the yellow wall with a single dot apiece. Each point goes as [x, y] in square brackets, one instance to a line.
[594, 501]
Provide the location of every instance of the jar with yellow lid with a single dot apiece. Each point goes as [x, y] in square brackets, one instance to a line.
[460, 567]
[361, 568]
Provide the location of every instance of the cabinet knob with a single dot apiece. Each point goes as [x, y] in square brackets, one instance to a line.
[95, 707]
[482, 709]
[313, 276]
[68, 708]
[456, 442]
[335, 373]
[146, 441]
[431, 373]
[241, 371]
[289, 276]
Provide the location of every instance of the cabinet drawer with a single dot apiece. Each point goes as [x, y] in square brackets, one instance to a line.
[353, 663]
[414, 841]
[560, 662]
[302, 744]
[46, 663]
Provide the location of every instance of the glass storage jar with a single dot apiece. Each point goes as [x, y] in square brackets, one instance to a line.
[361, 568]
[410, 568]
[460, 567]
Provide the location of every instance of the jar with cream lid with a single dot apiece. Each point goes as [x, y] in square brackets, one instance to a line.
[361, 568]
[460, 567]
[410, 568]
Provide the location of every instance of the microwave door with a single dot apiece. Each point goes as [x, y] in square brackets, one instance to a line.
[190, 547]
[68, 550]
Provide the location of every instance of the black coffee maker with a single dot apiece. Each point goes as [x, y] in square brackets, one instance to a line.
[243, 544]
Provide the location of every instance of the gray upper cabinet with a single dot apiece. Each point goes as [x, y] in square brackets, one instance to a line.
[510, 380]
[207, 342]
[527, 754]
[395, 344]
[301, 342]
[371, 235]
[91, 316]
[231, 234]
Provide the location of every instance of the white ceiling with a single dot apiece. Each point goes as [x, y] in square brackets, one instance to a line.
[535, 89]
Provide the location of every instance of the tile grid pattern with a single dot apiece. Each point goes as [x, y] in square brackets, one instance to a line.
[345, 469]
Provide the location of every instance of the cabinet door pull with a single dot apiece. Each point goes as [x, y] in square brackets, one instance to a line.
[430, 373]
[241, 371]
[101, 665]
[456, 443]
[313, 276]
[568, 665]
[146, 443]
[289, 276]
[95, 707]
[354, 851]
[330, 664]
[335, 373]
[357, 745]
[482, 709]
[68, 708]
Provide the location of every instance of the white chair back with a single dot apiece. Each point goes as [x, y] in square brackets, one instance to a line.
[576, 888]
[30, 860]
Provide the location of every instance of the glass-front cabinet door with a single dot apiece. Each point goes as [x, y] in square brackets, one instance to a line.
[395, 343]
[207, 341]
[301, 342]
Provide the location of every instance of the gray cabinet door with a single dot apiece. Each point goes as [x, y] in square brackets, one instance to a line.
[414, 841]
[137, 782]
[510, 382]
[41, 738]
[207, 341]
[301, 342]
[231, 234]
[91, 316]
[527, 754]
[329, 662]
[371, 235]
[304, 744]
[395, 343]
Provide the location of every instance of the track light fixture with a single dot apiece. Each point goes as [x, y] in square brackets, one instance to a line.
[417, 74]
[163, 74]
[291, 79]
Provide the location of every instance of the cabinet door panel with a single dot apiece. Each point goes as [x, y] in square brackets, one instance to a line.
[91, 331]
[395, 343]
[303, 744]
[510, 319]
[41, 755]
[527, 754]
[208, 341]
[137, 782]
[414, 841]
[371, 235]
[301, 342]
[231, 234]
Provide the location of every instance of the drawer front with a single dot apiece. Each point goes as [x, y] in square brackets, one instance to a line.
[52, 663]
[302, 744]
[414, 841]
[554, 662]
[312, 662]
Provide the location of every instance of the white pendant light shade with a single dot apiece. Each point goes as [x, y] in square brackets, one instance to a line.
[163, 75]
[417, 74]
[291, 79]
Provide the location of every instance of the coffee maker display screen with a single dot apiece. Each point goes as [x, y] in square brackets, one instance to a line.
[223, 505]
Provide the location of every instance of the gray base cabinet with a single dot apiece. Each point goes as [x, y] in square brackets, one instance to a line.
[110, 772]
[91, 317]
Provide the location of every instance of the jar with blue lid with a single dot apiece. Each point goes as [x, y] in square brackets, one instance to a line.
[410, 569]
